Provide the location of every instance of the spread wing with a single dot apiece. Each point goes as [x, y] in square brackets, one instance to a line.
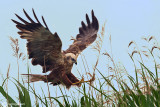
[43, 47]
[87, 35]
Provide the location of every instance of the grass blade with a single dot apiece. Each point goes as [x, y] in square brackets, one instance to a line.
[8, 98]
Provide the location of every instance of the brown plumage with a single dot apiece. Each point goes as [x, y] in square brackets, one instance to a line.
[44, 48]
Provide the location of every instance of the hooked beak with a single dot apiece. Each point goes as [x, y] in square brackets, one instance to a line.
[76, 63]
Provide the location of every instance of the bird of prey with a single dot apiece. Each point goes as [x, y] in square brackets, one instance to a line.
[44, 48]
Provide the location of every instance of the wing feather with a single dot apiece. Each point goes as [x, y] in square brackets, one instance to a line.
[87, 35]
[35, 16]
[28, 16]
[43, 47]
[21, 19]
[45, 23]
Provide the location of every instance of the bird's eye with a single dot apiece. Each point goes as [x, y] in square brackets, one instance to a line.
[73, 59]
[68, 58]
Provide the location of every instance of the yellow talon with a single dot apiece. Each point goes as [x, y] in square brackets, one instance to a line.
[79, 82]
[82, 80]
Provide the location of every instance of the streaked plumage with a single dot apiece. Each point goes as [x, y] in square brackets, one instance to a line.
[44, 48]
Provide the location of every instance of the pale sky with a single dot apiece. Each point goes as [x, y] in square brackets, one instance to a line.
[126, 20]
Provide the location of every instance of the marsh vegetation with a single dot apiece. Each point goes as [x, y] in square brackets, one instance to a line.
[112, 86]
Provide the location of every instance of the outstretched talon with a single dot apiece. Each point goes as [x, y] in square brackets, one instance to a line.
[82, 80]
[79, 82]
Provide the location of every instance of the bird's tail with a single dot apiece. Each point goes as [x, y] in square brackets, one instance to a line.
[34, 77]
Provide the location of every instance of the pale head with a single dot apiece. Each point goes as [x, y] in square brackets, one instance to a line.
[71, 58]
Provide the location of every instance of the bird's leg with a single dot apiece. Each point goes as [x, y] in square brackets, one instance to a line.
[73, 79]
[66, 80]
[79, 82]
[82, 80]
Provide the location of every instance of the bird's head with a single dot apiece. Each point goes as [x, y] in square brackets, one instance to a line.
[71, 58]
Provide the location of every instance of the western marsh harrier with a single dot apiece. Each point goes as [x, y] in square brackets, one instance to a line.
[44, 48]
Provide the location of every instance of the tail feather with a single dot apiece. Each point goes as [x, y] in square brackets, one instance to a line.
[35, 77]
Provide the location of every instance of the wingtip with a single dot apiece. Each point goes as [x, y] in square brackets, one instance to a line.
[92, 12]
[34, 13]
[88, 20]
[33, 10]
[24, 10]
[45, 23]
[16, 15]
[83, 25]
[13, 20]
[95, 21]
[35, 16]
[86, 15]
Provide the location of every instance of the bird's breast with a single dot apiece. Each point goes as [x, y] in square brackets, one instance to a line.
[68, 68]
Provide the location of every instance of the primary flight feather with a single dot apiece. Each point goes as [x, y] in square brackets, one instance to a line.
[44, 48]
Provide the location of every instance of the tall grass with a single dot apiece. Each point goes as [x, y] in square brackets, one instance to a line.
[118, 88]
